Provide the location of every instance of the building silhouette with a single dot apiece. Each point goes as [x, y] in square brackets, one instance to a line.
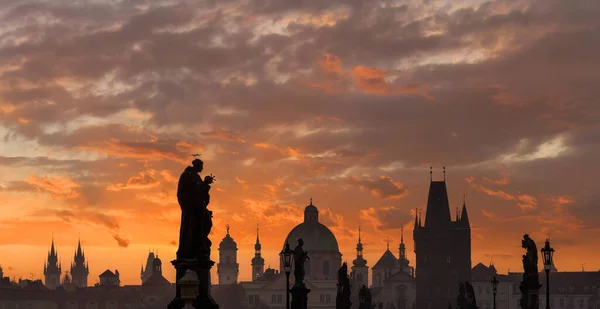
[52, 269]
[442, 249]
[228, 268]
[147, 272]
[79, 268]
[258, 263]
[359, 274]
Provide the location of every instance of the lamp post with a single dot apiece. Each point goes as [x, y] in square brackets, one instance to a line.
[494, 289]
[286, 257]
[547, 253]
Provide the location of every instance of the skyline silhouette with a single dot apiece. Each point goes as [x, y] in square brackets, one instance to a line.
[101, 104]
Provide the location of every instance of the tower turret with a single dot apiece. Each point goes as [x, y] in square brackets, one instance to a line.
[52, 269]
[402, 258]
[360, 270]
[258, 263]
[228, 267]
[79, 268]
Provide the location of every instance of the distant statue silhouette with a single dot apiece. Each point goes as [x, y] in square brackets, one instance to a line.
[196, 220]
[530, 284]
[342, 300]
[365, 298]
[300, 257]
[466, 296]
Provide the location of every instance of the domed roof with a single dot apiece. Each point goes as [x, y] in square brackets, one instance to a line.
[228, 242]
[316, 236]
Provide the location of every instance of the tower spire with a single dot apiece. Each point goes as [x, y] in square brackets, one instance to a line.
[444, 168]
[401, 234]
[359, 234]
[310, 200]
[430, 173]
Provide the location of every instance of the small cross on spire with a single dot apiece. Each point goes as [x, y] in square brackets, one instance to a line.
[387, 241]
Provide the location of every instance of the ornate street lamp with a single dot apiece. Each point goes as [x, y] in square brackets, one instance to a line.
[494, 289]
[287, 257]
[547, 253]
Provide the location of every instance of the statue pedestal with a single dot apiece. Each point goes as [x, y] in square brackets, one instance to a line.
[530, 294]
[202, 269]
[299, 296]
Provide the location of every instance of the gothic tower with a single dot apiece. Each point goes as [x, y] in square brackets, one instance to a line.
[228, 268]
[52, 269]
[258, 263]
[79, 268]
[147, 272]
[442, 249]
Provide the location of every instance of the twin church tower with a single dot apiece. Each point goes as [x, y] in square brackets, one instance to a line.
[228, 268]
[53, 269]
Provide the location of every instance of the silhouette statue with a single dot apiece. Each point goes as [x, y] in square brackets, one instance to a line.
[196, 220]
[466, 296]
[194, 246]
[342, 300]
[530, 285]
[530, 259]
[300, 257]
[365, 298]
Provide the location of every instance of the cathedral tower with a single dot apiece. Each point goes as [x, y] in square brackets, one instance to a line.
[442, 249]
[52, 269]
[258, 263]
[79, 268]
[228, 267]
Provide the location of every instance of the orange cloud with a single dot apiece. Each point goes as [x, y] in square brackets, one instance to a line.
[331, 65]
[367, 79]
[145, 180]
[503, 181]
[496, 193]
[145, 151]
[488, 214]
[527, 201]
[59, 188]
[285, 151]
[168, 177]
[223, 135]
[383, 187]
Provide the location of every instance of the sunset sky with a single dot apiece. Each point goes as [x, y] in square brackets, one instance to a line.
[347, 101]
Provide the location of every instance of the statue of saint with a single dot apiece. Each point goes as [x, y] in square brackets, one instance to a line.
[300, 257]
[196, 220]
[531, 262]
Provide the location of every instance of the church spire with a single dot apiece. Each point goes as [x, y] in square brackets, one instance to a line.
[359, 261]
[257, 246]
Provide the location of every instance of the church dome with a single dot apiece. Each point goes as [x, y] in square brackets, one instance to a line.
[317, 237]
[228, 242]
